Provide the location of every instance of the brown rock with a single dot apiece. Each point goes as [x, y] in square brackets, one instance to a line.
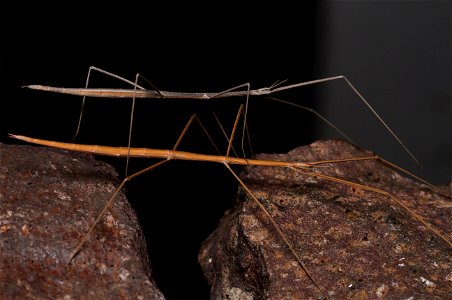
[48, 200]
[356, 244]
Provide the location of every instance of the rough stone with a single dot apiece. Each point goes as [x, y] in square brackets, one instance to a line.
[48, 201]
[356, 244]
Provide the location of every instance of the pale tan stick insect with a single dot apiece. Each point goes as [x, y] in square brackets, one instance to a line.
[227, 160]
[267, 92]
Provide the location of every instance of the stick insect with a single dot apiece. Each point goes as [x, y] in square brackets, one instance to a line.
[307, 168]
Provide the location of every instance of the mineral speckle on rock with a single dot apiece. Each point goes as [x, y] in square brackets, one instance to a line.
[48, 201]
[357, 244]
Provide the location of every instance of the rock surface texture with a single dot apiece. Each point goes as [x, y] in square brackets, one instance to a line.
[48, 201]
[356, 243]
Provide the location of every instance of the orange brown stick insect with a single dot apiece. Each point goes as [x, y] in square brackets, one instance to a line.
[307, 168]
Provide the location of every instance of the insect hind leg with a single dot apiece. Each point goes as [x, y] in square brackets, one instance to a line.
[109, 74]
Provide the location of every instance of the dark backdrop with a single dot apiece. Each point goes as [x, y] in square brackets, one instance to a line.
[381, 47]
[398, 53]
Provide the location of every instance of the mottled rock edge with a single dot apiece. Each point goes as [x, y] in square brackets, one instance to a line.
[356, 244]
[48, 200]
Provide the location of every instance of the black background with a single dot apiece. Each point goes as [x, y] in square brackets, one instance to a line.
[396, 53]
